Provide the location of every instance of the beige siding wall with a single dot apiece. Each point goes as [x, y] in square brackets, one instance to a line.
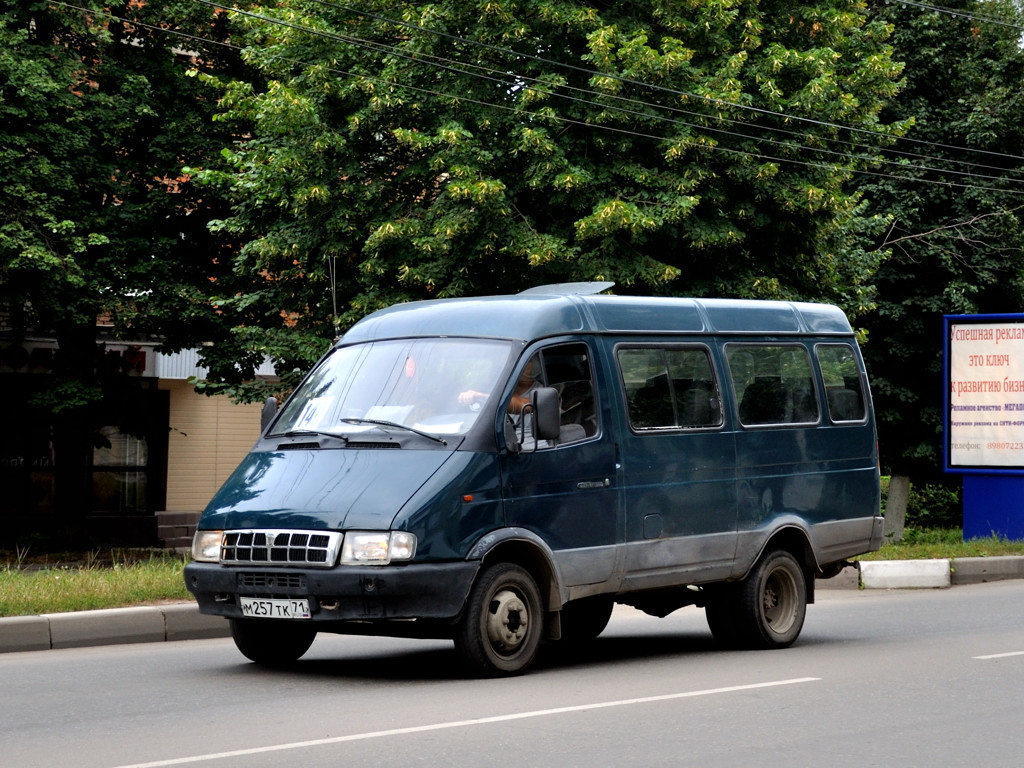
[208, 438]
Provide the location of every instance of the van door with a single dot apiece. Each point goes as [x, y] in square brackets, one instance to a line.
[678, 466]
[566, 491]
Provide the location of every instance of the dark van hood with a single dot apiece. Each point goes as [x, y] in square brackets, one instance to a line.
[321, 489]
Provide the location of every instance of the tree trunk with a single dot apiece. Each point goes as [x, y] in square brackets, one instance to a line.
[896, 508]
[75, 382]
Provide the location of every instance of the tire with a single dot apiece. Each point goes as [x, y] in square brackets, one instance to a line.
[271, 643]
[501, 628]
[583, 620]
[722, 613]
[764, 611]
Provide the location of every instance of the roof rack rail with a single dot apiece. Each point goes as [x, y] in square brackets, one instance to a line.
[568, 289]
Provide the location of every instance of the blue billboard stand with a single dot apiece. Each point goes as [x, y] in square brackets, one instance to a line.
[993, 505]
[983, 421]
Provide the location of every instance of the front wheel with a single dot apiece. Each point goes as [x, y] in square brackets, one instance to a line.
[271, 643]
[501, 628]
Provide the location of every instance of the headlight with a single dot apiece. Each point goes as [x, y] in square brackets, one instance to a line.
[377, 547]
[206, 546]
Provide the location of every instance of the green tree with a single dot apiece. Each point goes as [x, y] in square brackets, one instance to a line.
[98, 115]
[956, 205]
[413, 150]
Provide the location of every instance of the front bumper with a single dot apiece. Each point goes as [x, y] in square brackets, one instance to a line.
[428, 591]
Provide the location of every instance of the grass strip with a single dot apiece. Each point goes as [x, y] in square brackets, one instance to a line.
[942, 543]
[27, 591]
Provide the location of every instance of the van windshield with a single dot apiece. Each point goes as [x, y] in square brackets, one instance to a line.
[435, 386]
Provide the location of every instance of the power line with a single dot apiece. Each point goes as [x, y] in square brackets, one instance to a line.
[627, 81]
[453, 66]
[755, 155]
[420, 58]
[957, 12]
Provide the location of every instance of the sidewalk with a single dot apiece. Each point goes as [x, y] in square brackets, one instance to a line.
[182, 621]
[145, 624]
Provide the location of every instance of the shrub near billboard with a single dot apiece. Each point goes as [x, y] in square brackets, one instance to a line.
[984, 367]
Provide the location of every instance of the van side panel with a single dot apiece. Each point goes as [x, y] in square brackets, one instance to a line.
[680, 502]
[702, 501]
[824, 477]
[821, 477]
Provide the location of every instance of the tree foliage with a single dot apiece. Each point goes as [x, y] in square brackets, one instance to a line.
[956, 205]
[413, 150]
[98, 115]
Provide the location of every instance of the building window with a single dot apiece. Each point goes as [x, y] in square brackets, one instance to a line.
[119, 473]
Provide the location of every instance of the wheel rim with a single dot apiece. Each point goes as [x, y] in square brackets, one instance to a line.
[780, 601]
[508, 622]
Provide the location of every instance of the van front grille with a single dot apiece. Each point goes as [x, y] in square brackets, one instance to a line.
[317, 549]
[269, 581]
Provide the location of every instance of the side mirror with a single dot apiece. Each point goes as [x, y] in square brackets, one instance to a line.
[511, 438]
[547, 413]
[268, 413]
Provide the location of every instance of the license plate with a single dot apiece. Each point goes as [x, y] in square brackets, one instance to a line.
[267, 608]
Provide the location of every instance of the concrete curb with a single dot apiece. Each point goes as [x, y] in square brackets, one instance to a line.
[977, 570]
[182, 621]
[925, 574]
[905, 574]
[147, 624]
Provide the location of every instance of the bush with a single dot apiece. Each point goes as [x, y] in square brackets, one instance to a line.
[935, 505]
[931, 504]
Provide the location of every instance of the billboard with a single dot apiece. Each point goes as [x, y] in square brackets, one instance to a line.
[984, 375]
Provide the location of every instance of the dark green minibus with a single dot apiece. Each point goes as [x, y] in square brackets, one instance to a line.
[503, 470]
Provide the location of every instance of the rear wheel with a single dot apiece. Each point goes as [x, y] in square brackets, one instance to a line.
[502, 625]
[271, 643]
[583, 620]
[766, 610]
[722, 612]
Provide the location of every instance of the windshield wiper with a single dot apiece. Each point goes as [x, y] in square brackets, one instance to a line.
[396, 425]
[308, 432]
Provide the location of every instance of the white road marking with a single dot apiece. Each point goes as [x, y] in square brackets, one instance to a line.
[998, 655]
[465, 723]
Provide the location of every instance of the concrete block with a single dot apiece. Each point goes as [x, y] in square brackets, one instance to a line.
[106, 627]
[24, 633]
[185, 622]
[977, 570]
[905, 574]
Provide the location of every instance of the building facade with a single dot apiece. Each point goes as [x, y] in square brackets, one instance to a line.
[154, 446]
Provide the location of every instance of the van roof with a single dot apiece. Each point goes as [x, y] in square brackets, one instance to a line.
[570, 308]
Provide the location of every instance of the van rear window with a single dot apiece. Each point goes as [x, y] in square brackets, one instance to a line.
[669, 387]
[842, 379]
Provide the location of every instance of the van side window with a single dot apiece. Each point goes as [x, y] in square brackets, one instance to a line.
[842, 380]
[773, 384]
[669, 387]
[566, 367]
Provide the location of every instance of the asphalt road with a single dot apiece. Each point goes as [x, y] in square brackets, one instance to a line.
[894, 678]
